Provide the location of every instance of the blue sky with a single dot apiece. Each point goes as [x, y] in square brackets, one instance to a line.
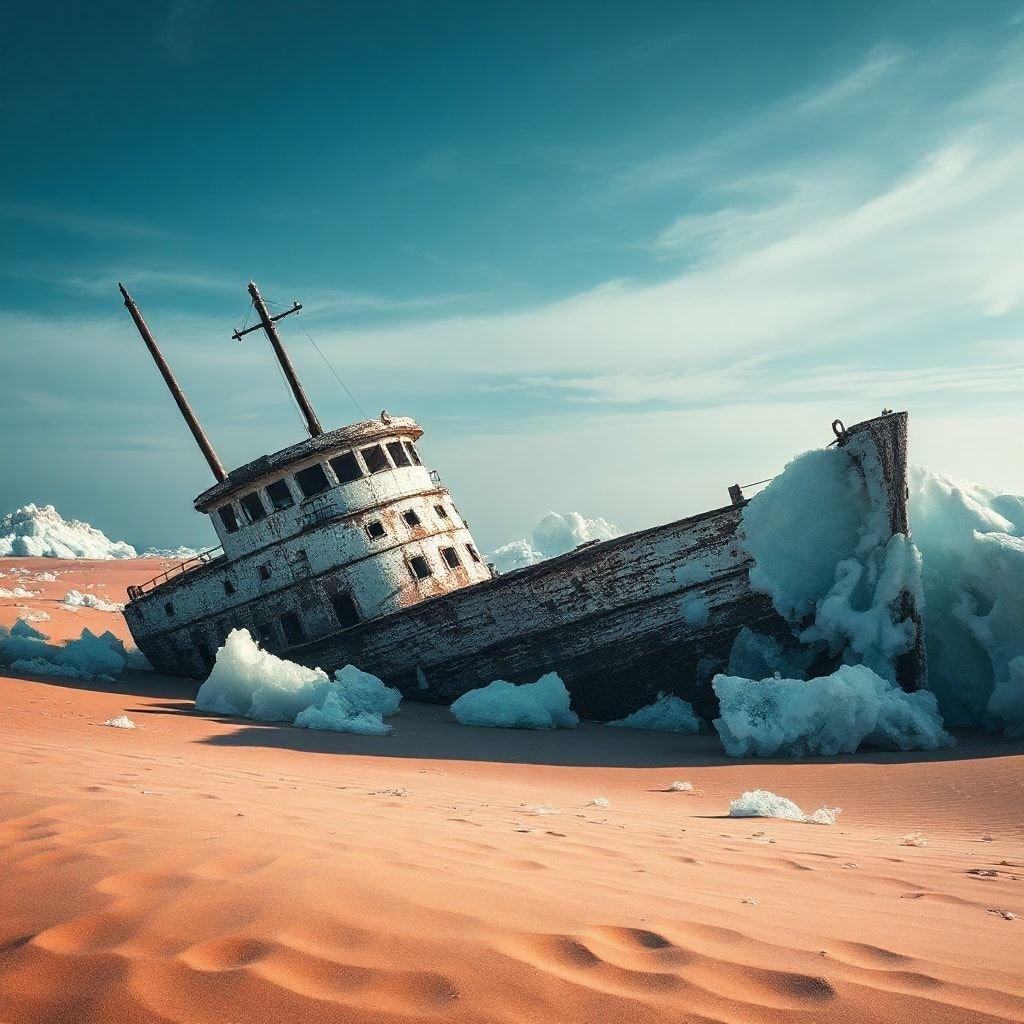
[614, 257]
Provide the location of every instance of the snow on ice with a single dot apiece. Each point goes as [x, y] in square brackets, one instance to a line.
[762, 803]
[554, 535]
[502, 705]
[667, 714]
[252, 683]
[38, 531]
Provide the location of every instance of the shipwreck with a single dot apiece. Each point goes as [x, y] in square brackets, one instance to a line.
[345, 548]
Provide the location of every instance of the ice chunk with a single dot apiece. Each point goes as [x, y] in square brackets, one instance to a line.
[252, 683]
[38, 531]
[76, 599]
[757, 656]
[13, 592]
[762, 803]
[89, 657]
[825, 716]
[22, 628]
[554, 535]
[681, 787]
[599, 801]
[667, 714]
[121, 722]
[971, 540]
[544, 704]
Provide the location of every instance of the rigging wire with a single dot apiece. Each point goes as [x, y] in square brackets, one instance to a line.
[327, 362]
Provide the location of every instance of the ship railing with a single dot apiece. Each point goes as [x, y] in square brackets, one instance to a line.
[190, 564]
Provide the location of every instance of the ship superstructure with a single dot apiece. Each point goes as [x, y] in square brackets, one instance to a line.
[345, 526]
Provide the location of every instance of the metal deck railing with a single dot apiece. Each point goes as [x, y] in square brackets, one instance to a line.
[189, 565]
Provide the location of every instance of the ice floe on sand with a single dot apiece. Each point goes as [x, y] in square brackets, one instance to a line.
[829, 715]
[762, 803]
[77, 599]
[250, 682]
[25, 649]
[39, 531]
[544, 704]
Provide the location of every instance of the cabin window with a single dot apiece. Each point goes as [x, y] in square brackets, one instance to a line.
[169, 608]
[398, 455]
[346, 467]
[280, 495]
[413, 454]
[345, 609]
[292, 627]
[451, 556]
[228, 518]
[375, 458]
[375, 529]
[229, 587]
[411, 517]
[441, 511]
[264, 571]
[472, 553]
[420, 567]
[312, 480]
[252, 506]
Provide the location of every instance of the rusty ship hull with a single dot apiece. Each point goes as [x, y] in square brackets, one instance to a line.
[614, 619]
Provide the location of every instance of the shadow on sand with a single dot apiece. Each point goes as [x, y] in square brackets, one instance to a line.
[428, 732]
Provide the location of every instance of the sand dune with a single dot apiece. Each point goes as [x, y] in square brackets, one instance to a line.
[202, 870]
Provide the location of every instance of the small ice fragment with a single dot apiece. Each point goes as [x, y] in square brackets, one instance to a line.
[542, 809]
[599, 801]
[913, 839]
[396, 791]
[681, 787]
[986, 839]
[1006, 915]
[849, 866]
[121, 722]
[752, 903]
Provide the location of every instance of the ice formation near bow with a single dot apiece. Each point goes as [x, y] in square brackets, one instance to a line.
[819, 539]
[501, 705]
[39, 531]
[250, 682]
[554, 535]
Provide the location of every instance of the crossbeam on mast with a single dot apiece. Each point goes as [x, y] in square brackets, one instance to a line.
[268, 324]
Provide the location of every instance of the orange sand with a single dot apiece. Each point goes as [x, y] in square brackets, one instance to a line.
[200, 870]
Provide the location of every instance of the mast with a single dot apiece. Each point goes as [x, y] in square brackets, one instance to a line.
[174, 387]
[267, 322]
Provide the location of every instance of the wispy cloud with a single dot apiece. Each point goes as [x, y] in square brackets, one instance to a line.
[875, 67]
[81, 224]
